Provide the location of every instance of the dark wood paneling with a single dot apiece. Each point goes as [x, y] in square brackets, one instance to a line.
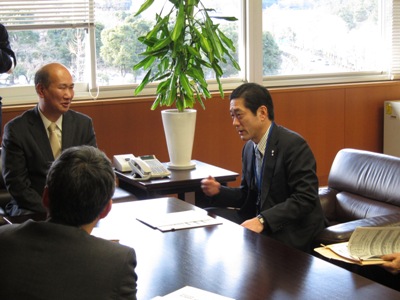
[364, 115]
[328, 117]
[318, 115]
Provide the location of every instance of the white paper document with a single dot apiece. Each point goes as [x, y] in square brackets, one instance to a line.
[192, 293]
[370, 242]
[366, 245]
[179, 220]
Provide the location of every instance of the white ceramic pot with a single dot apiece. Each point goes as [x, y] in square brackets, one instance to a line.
[179, 128]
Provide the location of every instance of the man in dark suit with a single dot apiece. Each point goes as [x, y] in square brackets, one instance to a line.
[58, 258]
[26, 149]
[8, 61]
[7, 56]
[278, 195]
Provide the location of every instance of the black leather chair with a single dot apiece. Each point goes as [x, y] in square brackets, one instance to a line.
[363, 190]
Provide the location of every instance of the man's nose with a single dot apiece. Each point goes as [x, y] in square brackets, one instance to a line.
[69, 93]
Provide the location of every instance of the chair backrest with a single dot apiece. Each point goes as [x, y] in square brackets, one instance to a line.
[368, 174]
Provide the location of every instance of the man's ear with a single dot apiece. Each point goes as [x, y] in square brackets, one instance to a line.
[106, 210]
[39, 90]
[263, 111]
[45, 198]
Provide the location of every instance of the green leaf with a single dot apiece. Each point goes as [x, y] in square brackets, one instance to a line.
[144, 82]
[189, 101]
[225, 18]
[156, 102]
[206, 47]
[148, 41]
[214, 40]
[197, 75]
[221, 91]
[199, 100]
[144, 6]
[162, 86]
[227, 41]
[163, 65]
[233, 60]
[217, 69]
[156, 29]
[185, 84]
[180, 21]
[158, 46]
[145, 63]
[193, 51]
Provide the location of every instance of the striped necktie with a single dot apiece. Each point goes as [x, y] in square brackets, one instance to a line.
[259, 161]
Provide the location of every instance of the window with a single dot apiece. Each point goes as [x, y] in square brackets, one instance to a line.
[118, 47]
[326, 41]
[46, 31]
[296, 41]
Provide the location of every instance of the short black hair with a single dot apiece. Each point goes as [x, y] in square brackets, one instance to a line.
[254, 96]
[80, 184]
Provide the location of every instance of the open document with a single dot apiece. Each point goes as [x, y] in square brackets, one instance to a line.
[366, 245]
[179, 220]
[192, 293]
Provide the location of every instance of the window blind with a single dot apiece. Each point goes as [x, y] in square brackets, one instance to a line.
[46, 14]
[395, 64]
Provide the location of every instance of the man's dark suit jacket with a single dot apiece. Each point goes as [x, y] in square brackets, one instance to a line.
[5, 58]
[5, 51]
[289, 196]
[44, 260]
[26, 154]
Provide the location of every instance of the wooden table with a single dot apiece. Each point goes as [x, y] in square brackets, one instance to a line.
[184, 183]
[228, 260]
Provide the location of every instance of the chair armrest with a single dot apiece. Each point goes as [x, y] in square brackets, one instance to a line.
[327, 197]
[342, 232]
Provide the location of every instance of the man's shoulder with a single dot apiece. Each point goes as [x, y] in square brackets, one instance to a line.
[15, 232]
[64, 233]
[285, 134]
[23, 117]
[8, 229]
[73, 114]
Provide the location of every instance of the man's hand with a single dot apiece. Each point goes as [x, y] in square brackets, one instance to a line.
[210, 186]
[253, 224]
[393, 263]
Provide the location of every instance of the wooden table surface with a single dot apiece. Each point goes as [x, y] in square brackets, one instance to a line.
[227, 259]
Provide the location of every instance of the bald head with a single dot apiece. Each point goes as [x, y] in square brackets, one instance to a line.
[44, 75]
[55, 87]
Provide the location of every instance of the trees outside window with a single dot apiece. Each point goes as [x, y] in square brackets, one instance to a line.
[324, 41]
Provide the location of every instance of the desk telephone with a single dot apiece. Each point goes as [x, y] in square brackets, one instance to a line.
[142, 167]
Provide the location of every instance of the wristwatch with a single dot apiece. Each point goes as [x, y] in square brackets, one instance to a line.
[261, 219]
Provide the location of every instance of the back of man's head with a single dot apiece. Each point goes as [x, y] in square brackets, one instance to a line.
[80, 184]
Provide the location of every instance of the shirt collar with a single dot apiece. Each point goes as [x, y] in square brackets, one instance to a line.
[47, 122]
[263, 142]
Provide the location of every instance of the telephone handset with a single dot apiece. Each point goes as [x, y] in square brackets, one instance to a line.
[143, 167]
[140, 169]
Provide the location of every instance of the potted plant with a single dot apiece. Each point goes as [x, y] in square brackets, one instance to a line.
[182, 44]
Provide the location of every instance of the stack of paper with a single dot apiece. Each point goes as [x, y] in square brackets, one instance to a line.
[179, 220]
[192, 293]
